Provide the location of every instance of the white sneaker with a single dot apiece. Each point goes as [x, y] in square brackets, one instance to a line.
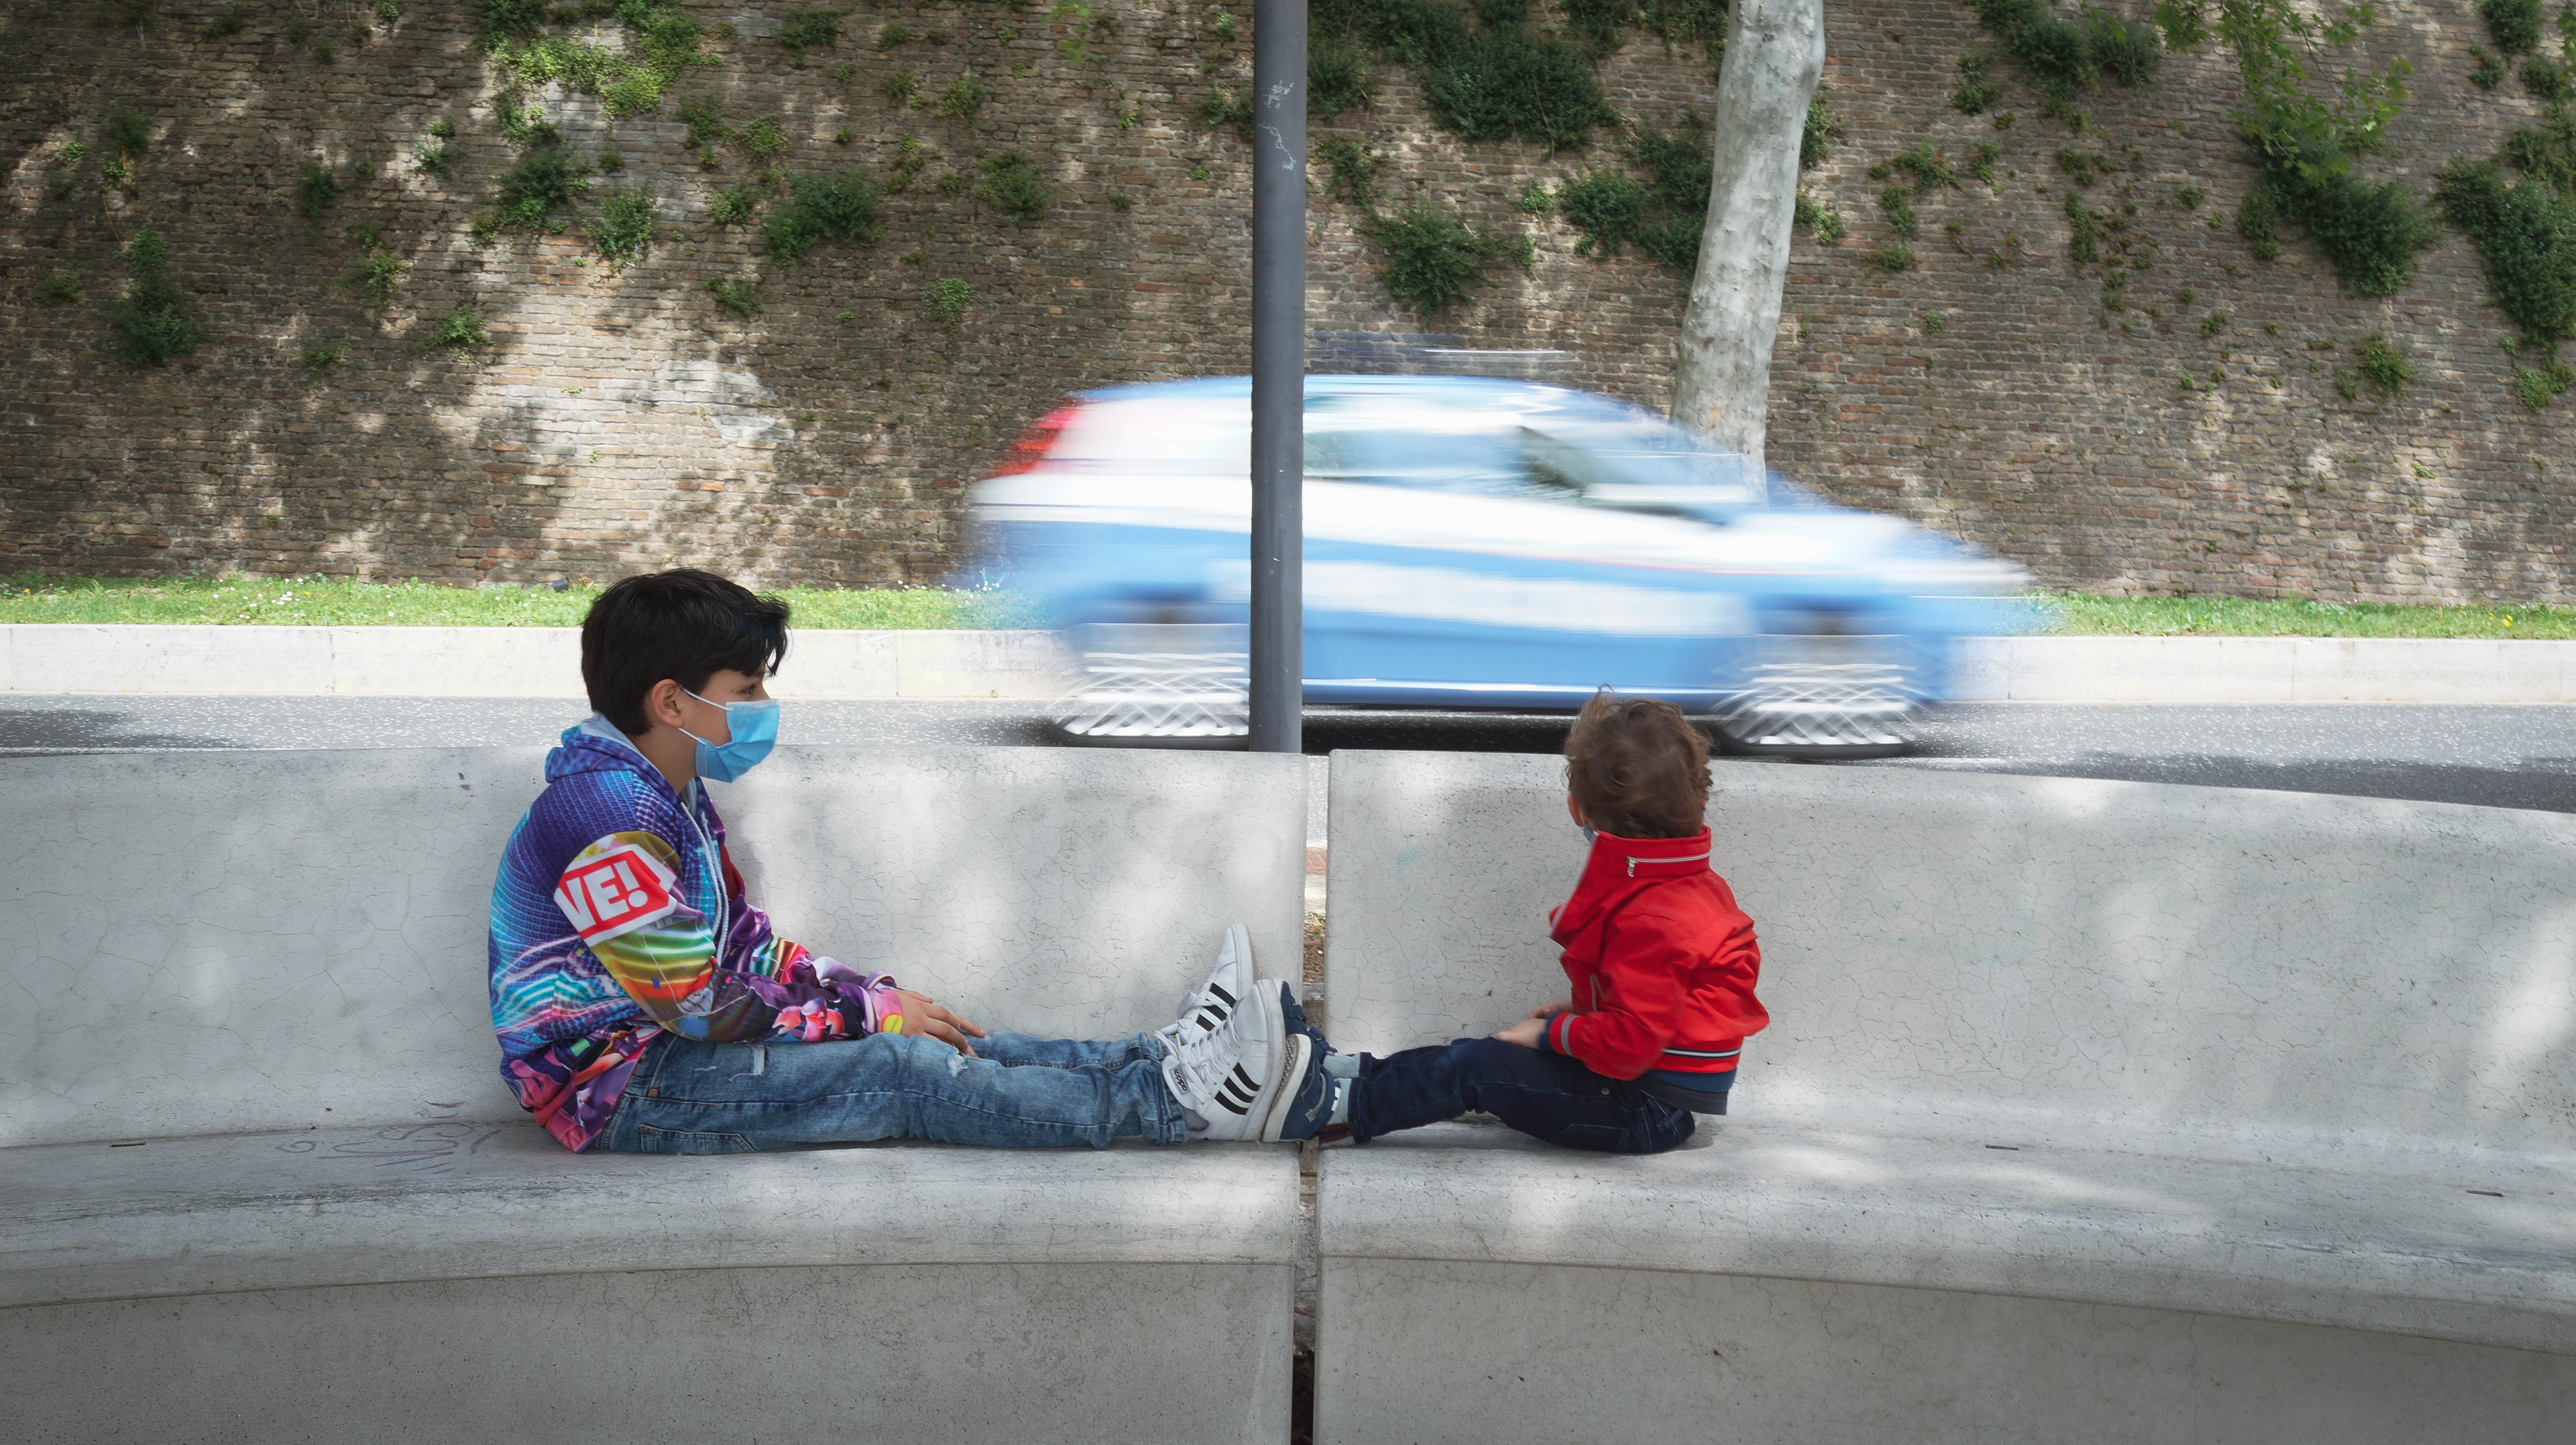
[1230, 1075]
[1227, 986]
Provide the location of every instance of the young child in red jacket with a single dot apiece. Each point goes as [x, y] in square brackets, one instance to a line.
[1661, 961]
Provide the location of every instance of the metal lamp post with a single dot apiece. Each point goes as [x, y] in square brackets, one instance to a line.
[1278, 372]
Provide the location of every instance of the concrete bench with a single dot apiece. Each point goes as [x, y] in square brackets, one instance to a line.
[2092, 1111]
[261, 1180]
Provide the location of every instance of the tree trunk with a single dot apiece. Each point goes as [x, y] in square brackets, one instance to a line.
[1775, 53]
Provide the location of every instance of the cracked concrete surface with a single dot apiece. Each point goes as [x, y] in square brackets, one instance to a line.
[2234, 1060]
[259, 1137]
[213, 943]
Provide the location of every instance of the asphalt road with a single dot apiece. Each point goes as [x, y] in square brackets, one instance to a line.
[2505, 757]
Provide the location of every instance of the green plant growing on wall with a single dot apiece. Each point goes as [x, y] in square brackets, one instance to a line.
[910, 155]
[735, 294]
[1930, 172]
[321, 357]
[1351, 172]
[229, 23]
[2382, 365]
[523, 126]
[2514, 25]
[1895, 258]
[2214, 323]
[1982, 166]
[948, 302]
[500, 21]
[1898, 203]
[317, 191]
[153, 323]
[431, 157]
[811, 29]
[2537, 386]
[763, 139]
[1012, 186]
[377, 273]
[667, 43]
[903, 88]
[624, 231]
[544, 180]
[1816, 139]
[735, 205]
[1435, 260]
[1224, 109]
[843, 208]
[61, 287]
[459, 333]
[1490, 79]
[1663, 215]
[963, 98]
[2525, 235]
[1822, 221]
[893, 35]
[2547, 79]
[1975, 92]
[706, 123]
[2490, 71]
[2306, 147]
[128, 132]
[1535, 200]
[2083, 231]
[2063, 58]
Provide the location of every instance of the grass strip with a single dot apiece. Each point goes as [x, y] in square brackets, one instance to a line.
[2076, 614]
[341, 602]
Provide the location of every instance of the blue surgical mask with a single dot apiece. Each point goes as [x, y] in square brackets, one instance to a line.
[753, 727]
[1589, 832]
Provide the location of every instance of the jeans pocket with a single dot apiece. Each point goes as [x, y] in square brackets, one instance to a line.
[650, 1140]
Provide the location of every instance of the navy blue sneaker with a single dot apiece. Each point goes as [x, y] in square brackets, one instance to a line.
[1294, 1014]
[1305, 1111]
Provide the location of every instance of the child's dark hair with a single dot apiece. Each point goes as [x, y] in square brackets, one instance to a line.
[685, 625]
[1637, 768]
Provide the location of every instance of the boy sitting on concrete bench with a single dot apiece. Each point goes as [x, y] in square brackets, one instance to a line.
[643, 1003]
[1661, 961]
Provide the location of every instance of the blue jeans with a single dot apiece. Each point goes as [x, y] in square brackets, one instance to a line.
[688, 1097]
[1546, 1096]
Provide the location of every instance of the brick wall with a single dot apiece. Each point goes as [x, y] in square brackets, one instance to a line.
[622, 419]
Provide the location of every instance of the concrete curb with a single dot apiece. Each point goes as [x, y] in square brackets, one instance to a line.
[2263, 669]
[545, 662]
[491, 662]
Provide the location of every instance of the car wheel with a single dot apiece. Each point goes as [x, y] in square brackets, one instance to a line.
[1159, 685]
[1823, 696]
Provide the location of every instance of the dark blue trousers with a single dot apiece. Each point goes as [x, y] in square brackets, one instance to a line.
[1546, 1096]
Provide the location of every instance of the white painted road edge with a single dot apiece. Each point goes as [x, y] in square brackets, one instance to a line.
[546, 662]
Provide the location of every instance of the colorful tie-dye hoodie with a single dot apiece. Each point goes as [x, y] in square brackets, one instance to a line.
[619, 917]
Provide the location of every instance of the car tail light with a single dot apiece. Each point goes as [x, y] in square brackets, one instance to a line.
[1032, 447]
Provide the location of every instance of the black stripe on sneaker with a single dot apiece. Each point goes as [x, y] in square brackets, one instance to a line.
[1219, 990]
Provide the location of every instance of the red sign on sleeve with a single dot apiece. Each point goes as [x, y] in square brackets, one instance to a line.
[615, 892]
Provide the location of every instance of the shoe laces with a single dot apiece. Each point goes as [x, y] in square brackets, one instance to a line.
[1202, 1058]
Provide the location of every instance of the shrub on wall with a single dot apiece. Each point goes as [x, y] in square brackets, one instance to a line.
[1434, 259]
[1489, 79]
[154, 322]
[844, 208]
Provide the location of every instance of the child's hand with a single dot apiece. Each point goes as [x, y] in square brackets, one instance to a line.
[922, 1016]
[1525, 1033]
[1561, 1006]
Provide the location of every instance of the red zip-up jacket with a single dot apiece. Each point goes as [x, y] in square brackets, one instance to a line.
[1662, 961]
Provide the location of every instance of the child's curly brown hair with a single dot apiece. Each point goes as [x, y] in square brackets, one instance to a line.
[1637, 768]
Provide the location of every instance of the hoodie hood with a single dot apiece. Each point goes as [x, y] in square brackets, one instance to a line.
[596, 745]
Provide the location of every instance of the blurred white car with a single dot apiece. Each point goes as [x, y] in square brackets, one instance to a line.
[1474, 543]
